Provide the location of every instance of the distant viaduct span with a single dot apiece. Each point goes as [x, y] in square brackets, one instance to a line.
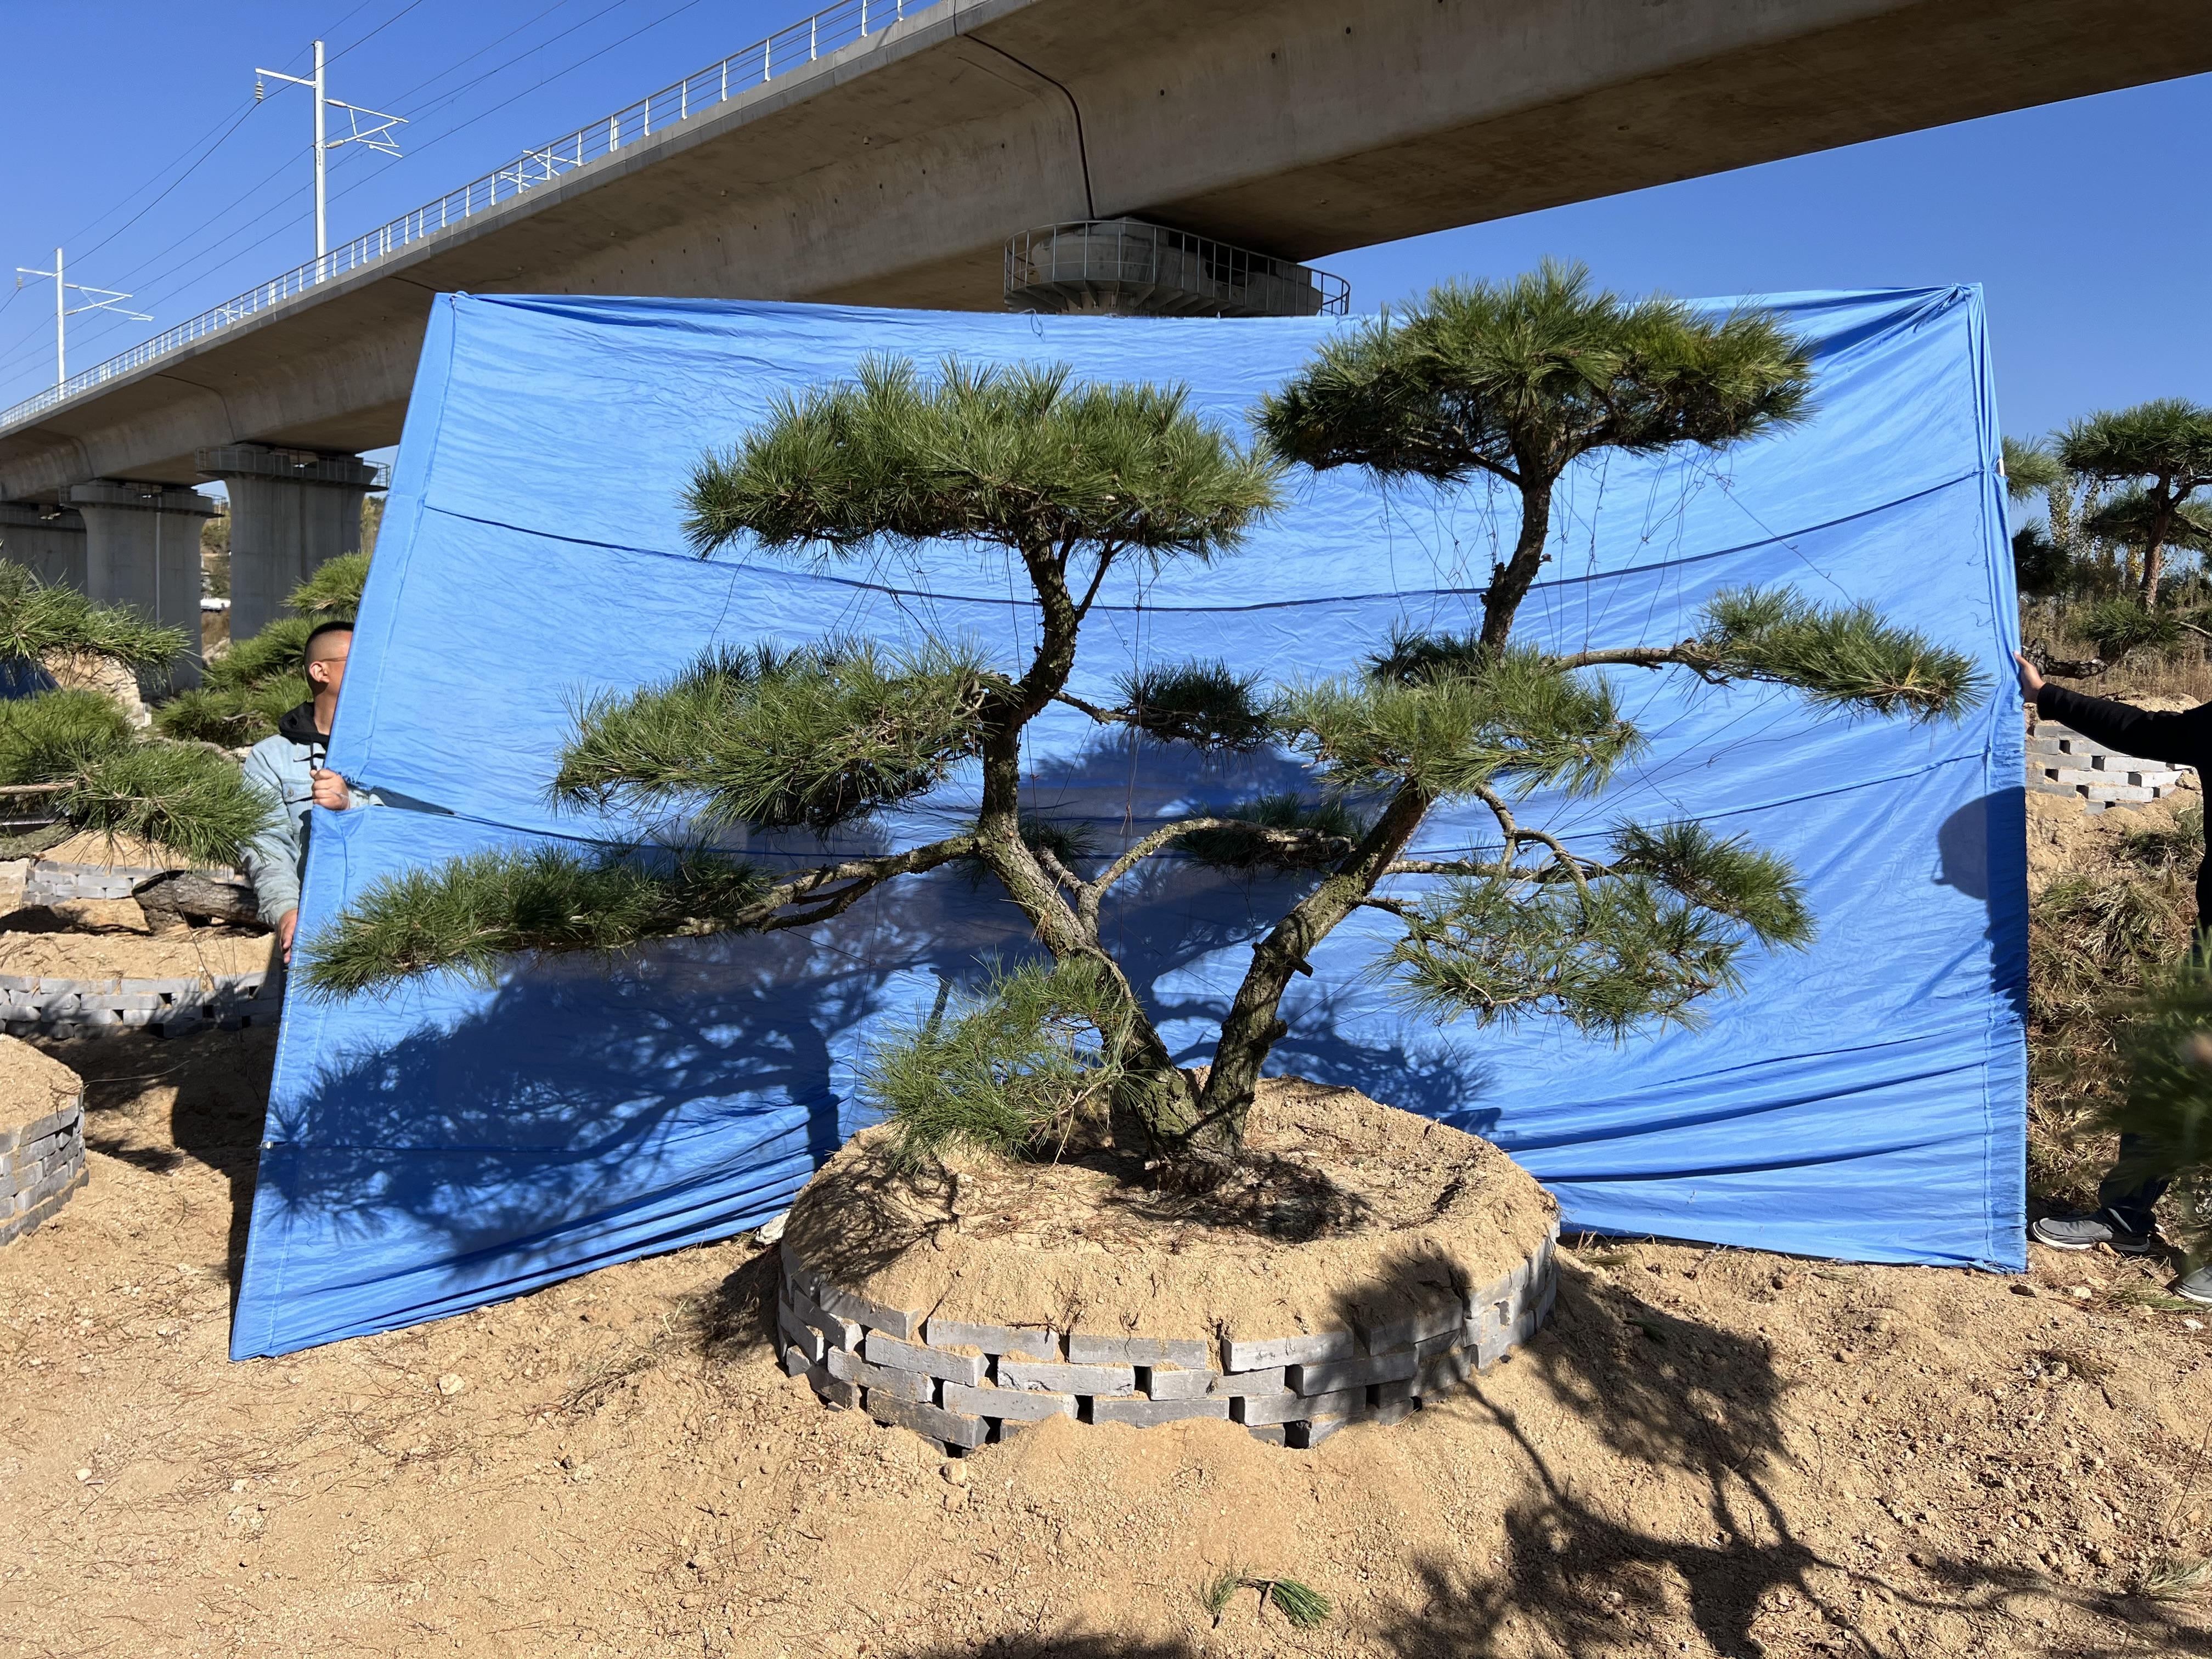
[892, 170]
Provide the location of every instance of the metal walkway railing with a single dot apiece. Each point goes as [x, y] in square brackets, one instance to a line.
[780, 53]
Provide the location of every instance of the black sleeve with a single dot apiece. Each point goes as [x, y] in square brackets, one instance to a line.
[2183, 739]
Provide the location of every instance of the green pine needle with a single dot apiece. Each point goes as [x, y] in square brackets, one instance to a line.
[1299, 1602]
[1843, 657]
[1217, 1592]
[819, 737]
[2120, 624]
[1009, 1070]
[333, 592]
[56, 734]
[1507, 377]
[1203, 704]
[1516, 720]
[1729, 877]
[36, 618]
[1023, 457]
[1630, 954]
[276, 651]
[175, 795]
[470, 913]
[231, 717]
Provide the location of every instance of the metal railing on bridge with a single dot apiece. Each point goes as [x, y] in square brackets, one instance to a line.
[780, 53]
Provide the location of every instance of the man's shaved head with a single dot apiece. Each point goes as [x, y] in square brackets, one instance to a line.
[330, 642]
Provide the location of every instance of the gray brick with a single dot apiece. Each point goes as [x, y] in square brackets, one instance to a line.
[803, 1338]
[1024, 1342]
[58, 1181]
[1270, 1434]
[53, 1123]
[1294, 1407]
[849, 1367]
[1091, 1348]
[1008, 1405]
[954, 1428]
[1352, 1373]
[1150, 1413]
[794, 1361]
[1274, 1379]
[835, 1390]
[1306, 1436]
[883, 1350]
[845, 1305]
[1256, 1353]
[837, 1333]
[1396, 1411]
[1066, 1379]
[1168, 1382]
[1405, 1330]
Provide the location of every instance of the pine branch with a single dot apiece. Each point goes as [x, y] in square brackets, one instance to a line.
[37, 619]
[1843, 657]
[1517, 722]
[470, 913]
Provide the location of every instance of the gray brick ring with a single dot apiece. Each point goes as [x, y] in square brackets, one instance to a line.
[967, 1385]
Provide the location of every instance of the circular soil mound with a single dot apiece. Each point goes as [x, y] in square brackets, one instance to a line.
[1366, 1258]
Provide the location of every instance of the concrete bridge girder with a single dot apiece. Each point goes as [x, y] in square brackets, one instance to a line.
[892, 172]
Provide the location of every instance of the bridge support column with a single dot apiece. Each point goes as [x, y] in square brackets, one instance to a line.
[47, 541]
[291, 510]
[142, 548]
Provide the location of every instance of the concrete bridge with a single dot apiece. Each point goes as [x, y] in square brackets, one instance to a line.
[892, 170]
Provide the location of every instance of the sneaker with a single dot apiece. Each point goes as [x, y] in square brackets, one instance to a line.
[2196, 1287]
[2086, 1232]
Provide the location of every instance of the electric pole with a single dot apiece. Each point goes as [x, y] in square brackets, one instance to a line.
[109, 300]
[378, 136]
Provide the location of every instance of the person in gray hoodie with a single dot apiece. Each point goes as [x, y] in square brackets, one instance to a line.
[288, 768]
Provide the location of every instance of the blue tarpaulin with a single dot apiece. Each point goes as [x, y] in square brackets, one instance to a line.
[447, 1145]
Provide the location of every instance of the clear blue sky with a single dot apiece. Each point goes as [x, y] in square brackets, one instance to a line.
[2098, 268]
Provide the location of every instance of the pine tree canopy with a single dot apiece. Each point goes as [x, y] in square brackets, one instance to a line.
[1518, 378]
[2169, 439]
[1024, 457]
[36, 618]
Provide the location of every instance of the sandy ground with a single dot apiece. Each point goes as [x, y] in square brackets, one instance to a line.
[1706, 1451]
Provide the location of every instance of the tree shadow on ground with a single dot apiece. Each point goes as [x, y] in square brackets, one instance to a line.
[1653, 1387]
[1579, 1572]
[221, 1083]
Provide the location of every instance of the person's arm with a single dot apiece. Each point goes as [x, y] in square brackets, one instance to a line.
[2182, 738]
[270, 859]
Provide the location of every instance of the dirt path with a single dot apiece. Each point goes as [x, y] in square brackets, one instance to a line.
[1706, 1452]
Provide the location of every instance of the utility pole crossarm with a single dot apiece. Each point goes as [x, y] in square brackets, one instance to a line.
[108, 299]
[363, 126]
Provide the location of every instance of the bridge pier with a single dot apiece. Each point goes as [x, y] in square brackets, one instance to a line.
[47, 541]
[142, 548]
[291, 510]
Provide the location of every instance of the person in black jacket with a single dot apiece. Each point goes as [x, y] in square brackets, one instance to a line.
[2124, 1218]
